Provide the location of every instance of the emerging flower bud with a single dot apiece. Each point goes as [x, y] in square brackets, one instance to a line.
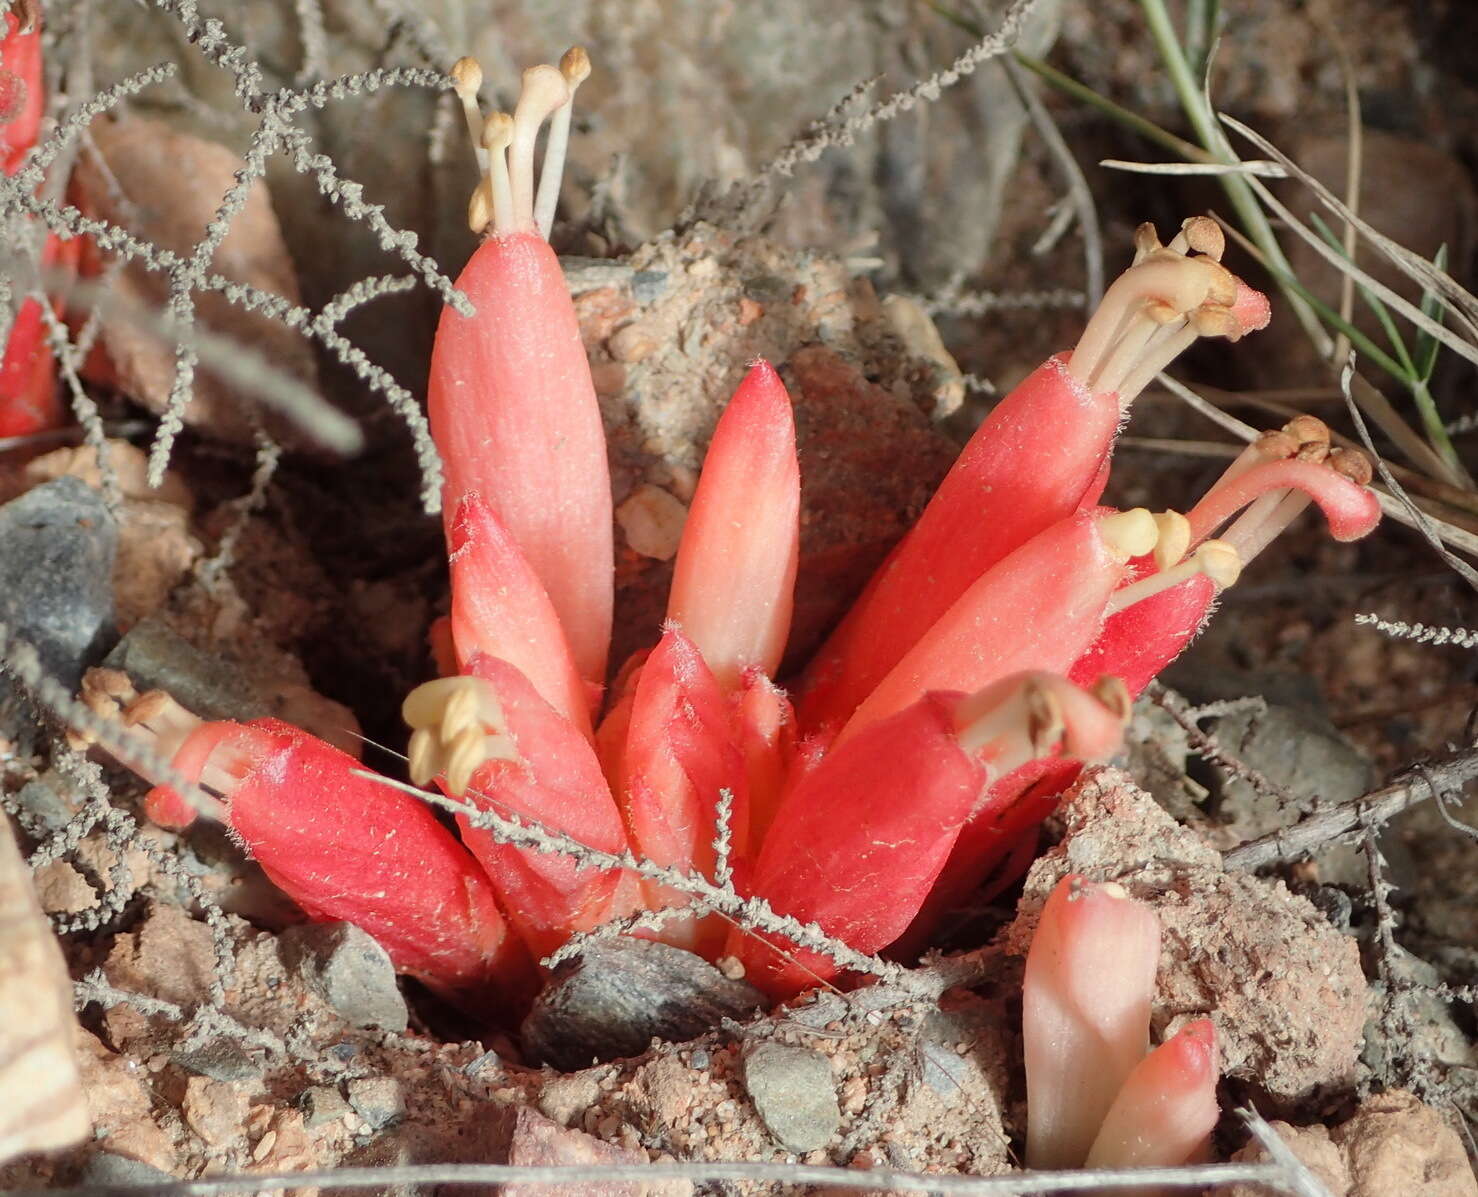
[1085, 1012]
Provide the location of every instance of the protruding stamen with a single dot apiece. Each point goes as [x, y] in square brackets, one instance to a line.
[1161, 304]
[1174, 538]
[1131, 533]
[1215, 559]
[1264, 489]
[466, 81]
[1265, 520]
[493, 199]
[575, 67]
[544, 91]
[458, 726]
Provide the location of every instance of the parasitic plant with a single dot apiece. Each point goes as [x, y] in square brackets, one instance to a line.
[996, 649]
[1096, 1096]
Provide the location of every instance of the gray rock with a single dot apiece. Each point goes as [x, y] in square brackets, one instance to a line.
[322, 1104]
[1303, 753]
[379, 1100]
[349, 970]
[620, 994]
[793, 1093]
[57, 545]
[221, 1060]
[157, 657]
[42, 799]
[110, 1168]
[942, 1069]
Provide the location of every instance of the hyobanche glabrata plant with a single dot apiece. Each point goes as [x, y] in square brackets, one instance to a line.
[997, 648]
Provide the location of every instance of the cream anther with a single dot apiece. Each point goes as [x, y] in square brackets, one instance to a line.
[458, 726]
[1129, 533]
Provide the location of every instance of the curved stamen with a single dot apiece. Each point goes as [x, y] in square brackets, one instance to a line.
[1032, 715]
[575, 67]
[1349, 507]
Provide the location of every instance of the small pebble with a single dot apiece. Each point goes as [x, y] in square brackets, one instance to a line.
[648, 286]
[349, 970]
[322, 1104]
[621, 993]
[793, 1093]
[377, 1099]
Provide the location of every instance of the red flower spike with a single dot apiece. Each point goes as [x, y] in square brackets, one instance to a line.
[734, 579]
[1031, 463]
[1040, 455]
[860, 839]
[346, 847]
[765, 729]
[21, 98]
[680, 753]
[1166, 1111]
[28, 393]
[545, 770]
[1039, 609]
[500, 609]
[1086, 993]
[510, 400]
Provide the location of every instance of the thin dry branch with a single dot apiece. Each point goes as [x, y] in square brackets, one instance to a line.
[1346, 821]
[1281, 1177]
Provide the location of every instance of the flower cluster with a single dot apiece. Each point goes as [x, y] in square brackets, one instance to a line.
[997, 648]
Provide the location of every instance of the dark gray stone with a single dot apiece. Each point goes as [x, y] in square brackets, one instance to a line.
[221, 1060]
[349, 970]
[379, 1100]
[793, 1093]
[620, 994]
[156, 657]
[648, 286]
[57, 545]
[109, 1168]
